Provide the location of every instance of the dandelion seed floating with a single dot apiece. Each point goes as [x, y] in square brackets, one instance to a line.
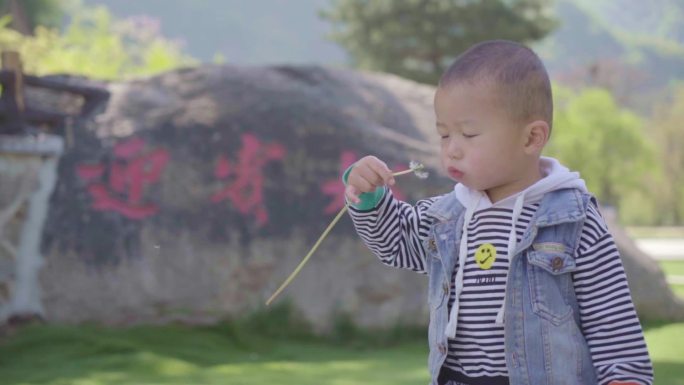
[416, 168]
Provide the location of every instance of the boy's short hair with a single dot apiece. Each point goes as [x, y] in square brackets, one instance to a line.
[515, 71]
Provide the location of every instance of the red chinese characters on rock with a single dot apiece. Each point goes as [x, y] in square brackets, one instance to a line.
[335, 188]
[127, 175]
[245, 176]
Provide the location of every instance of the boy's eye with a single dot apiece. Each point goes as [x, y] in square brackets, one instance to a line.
[444, 136]
[469, 135]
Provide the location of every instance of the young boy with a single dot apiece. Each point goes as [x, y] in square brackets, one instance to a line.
[526, 285]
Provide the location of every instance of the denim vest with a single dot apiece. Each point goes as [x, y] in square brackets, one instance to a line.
[544, 344]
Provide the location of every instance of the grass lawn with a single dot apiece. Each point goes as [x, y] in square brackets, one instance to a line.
[678, 289]
[666, 347]
[670, 267]
[674, 267]
[183, 355]
[166, 355]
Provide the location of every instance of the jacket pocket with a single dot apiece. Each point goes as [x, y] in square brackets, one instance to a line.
[438, 288]
[438, 291]
[550, 281]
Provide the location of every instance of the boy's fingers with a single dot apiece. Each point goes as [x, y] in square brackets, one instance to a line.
[384, 172]
[357, 180]
[351, 194]
[362, 184]
[371, 178]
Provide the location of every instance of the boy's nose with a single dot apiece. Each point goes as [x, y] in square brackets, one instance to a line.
[454, 150]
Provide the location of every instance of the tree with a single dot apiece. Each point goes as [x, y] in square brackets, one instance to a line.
[417, 39]
[28, 14]
[603, 141]
[96, 45]
[614, 154]
[666, 128]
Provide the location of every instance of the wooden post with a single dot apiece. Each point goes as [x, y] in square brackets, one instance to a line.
[19, 117]
[11, 61]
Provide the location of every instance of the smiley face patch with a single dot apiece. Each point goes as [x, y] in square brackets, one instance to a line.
[485, 255]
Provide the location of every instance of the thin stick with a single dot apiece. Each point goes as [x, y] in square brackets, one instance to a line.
[407, 171]
[318, 242]
[301, 264]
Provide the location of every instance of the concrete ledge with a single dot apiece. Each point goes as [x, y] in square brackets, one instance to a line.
[42, 144]
[662, 248]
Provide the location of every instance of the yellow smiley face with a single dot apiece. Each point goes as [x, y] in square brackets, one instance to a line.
[485, 256]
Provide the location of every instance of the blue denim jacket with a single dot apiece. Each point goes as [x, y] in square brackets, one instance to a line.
[544, 344]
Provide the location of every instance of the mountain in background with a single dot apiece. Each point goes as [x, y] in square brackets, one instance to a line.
[242, 32]
[660, 19]
[633, 47]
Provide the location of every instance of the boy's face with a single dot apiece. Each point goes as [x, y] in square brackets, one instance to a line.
[481, 145]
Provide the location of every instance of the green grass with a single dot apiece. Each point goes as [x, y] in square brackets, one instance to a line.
[674, 267]
[678, 290]
[241, 354]
[666, 347]
[183, 355]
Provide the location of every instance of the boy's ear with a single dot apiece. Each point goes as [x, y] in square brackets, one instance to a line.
[536, 136]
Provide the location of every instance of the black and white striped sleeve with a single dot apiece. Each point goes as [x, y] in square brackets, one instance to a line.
[394, 231]
[608, 317]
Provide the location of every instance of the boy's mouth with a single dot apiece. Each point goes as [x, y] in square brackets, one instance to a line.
[455, 173]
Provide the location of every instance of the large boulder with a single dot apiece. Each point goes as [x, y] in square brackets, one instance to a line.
[195, 193]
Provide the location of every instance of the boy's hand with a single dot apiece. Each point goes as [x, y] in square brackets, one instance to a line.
[367, 174]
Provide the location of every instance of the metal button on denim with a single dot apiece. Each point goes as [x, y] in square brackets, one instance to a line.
[431, 244]
[557, 263]
[442, 348]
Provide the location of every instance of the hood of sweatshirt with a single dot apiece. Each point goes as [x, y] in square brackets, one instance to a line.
[555, 176]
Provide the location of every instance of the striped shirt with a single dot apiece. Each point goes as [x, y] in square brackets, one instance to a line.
[395, 230]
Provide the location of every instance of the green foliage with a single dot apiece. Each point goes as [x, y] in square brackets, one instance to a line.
[283, 321]
[660, 201]
[96, 45]
[279, 321]
[605, 142]
[418, 39]
[666, 129]
[346, 332]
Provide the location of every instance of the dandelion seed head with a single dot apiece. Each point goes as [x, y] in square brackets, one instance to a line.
[418, 169]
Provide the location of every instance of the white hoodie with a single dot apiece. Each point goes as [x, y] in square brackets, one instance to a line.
[554, 177]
